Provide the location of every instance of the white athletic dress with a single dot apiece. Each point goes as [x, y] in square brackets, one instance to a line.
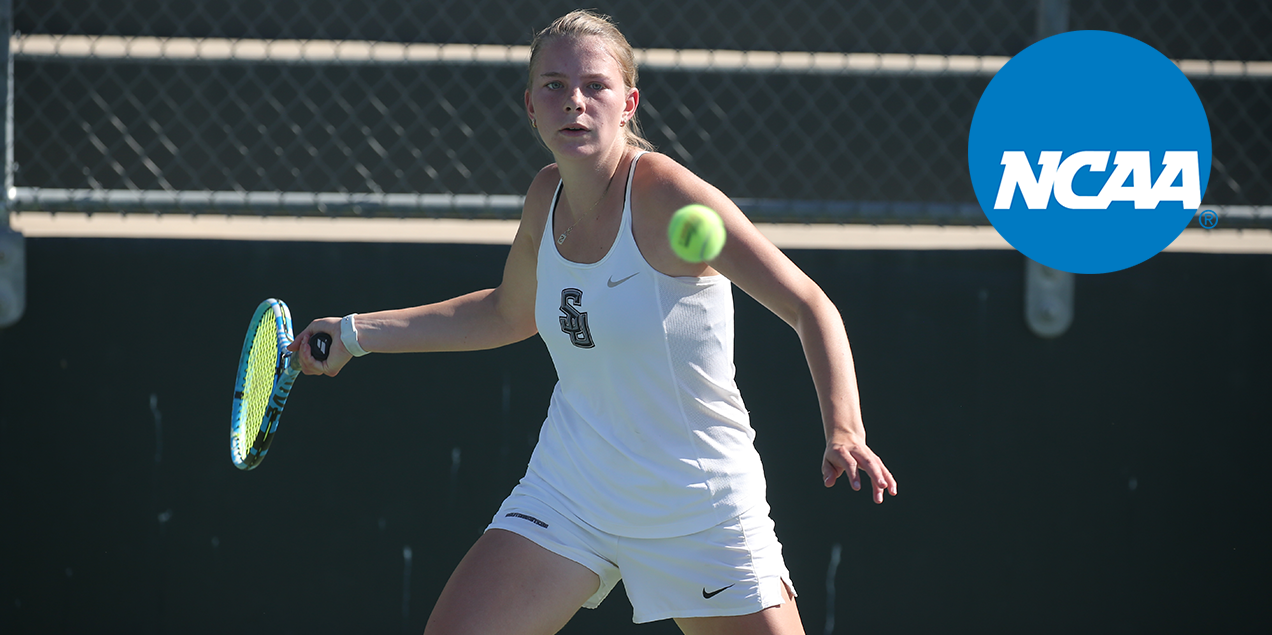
[646, 435]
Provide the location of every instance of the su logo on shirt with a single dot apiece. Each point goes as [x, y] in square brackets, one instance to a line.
[574, 321]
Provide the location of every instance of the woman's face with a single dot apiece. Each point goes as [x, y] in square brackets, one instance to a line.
[577, 97]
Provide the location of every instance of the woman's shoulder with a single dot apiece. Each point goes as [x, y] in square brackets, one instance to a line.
[661, 186]
[539, 194]
[545, 182]
[664, 184]
[534, 210]
[662, 171]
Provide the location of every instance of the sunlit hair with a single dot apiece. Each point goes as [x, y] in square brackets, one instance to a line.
[580, 23]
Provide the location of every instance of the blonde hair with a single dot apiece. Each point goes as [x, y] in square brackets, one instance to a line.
[580, 23]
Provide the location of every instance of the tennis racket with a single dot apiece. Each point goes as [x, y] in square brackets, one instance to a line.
[266, 372]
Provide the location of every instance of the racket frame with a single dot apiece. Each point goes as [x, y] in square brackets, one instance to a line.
[286, 369]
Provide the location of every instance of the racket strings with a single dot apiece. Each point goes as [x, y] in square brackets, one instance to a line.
[258, 380]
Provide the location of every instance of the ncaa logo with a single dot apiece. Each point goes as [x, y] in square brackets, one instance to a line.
[1089, 152]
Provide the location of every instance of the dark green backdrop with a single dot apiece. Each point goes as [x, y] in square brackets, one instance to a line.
[1108, 481]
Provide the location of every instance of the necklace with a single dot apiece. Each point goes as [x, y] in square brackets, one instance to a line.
[566, 234]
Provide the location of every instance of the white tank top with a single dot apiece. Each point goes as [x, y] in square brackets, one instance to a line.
[646, 434]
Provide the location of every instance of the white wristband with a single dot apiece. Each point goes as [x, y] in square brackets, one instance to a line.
[349, 336]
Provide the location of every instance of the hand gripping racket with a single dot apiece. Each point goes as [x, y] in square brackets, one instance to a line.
[266, 372]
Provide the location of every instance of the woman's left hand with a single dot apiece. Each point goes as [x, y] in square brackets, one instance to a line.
[851, 456]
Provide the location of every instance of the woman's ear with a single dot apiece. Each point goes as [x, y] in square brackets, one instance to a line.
[633, 100]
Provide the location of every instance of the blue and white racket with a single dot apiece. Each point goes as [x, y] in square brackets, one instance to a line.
[266, 372]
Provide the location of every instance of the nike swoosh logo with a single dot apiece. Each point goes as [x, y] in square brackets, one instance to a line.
[613, 283]
[713, 593]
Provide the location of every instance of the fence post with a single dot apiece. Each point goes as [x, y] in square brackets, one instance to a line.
[1049, 292]
[12, 246]
[1053, 18]
[6, 67]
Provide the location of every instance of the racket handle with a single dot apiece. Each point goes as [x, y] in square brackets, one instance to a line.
[320, 346]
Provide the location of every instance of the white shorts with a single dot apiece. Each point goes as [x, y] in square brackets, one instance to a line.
[734, 568]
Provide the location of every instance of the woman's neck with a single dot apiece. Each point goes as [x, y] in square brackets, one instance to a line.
[588, 180]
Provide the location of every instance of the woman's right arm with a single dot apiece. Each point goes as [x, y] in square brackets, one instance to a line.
[484, 319]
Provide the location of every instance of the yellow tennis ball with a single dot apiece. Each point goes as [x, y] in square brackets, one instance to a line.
[696, 233]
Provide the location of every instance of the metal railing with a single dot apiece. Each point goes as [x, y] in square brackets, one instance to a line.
[804, 111]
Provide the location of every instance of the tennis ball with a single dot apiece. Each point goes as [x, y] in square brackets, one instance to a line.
[696, 233]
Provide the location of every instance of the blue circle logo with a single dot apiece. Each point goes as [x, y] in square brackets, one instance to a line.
[1089, 152]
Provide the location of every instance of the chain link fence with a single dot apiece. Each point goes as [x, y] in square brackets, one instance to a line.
[801, 111]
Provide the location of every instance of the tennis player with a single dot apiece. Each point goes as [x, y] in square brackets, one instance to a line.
[645, 468]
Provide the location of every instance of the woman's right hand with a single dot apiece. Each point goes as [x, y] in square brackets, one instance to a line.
[336, 358]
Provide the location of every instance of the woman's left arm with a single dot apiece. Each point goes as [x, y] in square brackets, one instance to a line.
[766, 274]
[760, 269]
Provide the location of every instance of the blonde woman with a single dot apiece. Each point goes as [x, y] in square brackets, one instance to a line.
[645, 468]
